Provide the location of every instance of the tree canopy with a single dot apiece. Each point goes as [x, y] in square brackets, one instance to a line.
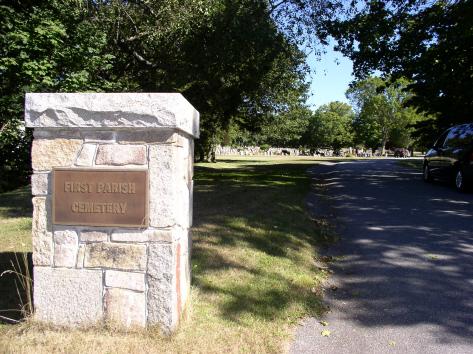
[236, 61]
[382, 116]
[240, 63]
[428, 42]
[44, 48]
[331, 126]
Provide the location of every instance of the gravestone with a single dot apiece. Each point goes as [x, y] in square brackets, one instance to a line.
[112, 207]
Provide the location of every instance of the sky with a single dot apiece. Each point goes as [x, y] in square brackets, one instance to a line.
[333, 73]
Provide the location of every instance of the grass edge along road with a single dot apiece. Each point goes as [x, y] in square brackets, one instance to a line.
[254, 276]
[411, 163]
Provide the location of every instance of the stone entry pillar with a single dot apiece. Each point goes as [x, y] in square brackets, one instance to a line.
[88, 273]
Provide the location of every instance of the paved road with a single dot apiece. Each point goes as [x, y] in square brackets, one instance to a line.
[403, 278]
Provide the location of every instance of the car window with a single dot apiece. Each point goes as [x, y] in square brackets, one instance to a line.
[441, 139]
[459, 137]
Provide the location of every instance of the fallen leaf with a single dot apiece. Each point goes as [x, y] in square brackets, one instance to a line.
[325, 333]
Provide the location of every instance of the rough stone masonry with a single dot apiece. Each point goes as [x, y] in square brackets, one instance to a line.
[86, 275]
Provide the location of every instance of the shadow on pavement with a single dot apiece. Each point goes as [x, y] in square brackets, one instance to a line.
[406, 254]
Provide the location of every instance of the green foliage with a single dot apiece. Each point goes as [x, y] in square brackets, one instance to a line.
[227, 58]
[46, 48]
[236, 136]
[265, 147]
[286, 129]
[428, 42]
[231, 60]
[304, 21]
[382, 118]
[331, 126]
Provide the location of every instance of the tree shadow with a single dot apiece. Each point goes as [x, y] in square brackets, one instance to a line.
[249, 197]
[259, 209]
[13, 294]
[406, 254]
[17, 203]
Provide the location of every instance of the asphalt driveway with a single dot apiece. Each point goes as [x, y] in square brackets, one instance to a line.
[403, 269]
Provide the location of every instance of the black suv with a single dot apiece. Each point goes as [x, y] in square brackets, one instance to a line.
[451, 157]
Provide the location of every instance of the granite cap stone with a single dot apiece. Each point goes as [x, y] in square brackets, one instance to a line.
[111, 110]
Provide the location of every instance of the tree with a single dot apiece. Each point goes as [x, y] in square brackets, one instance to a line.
[234, 61]
[286, 129]
[382, 117]
[427, 42]
[331, 126]
[43, 48]
[238, 62]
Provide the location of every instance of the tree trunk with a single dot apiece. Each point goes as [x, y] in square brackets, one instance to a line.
[384, 141]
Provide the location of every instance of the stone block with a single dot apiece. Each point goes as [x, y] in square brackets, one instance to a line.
[129, 236]
[119, 155]
[114, 255]
[49, 153]
[125, 280]
[39, 133]
[163, 235]
[68, 297]
[181, 141]
[191, 159]
[42, 238]
[80, 257]
[162, 307]
[41, 214]
[111, 110]
[98, 136]
[184, 167]
[183, 200]
[42, 248]
[190, 162]
[125, 308]
[184, 271]
[39, 183]
[184, 185]
[191, 204]
[189, 243]
[147, 137]
[66, 247]
[93, 236]
[162, 178]
[151, 235]
[86, 155]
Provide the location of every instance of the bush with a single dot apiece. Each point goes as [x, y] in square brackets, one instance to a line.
[264, 147]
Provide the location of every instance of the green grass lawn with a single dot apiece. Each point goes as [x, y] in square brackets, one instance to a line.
[15, 220]
[15, 239]
[254, 277]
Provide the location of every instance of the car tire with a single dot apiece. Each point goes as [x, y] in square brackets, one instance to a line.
[460, 183]
[426, 175]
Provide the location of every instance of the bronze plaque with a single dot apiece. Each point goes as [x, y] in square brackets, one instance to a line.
[100, 197]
